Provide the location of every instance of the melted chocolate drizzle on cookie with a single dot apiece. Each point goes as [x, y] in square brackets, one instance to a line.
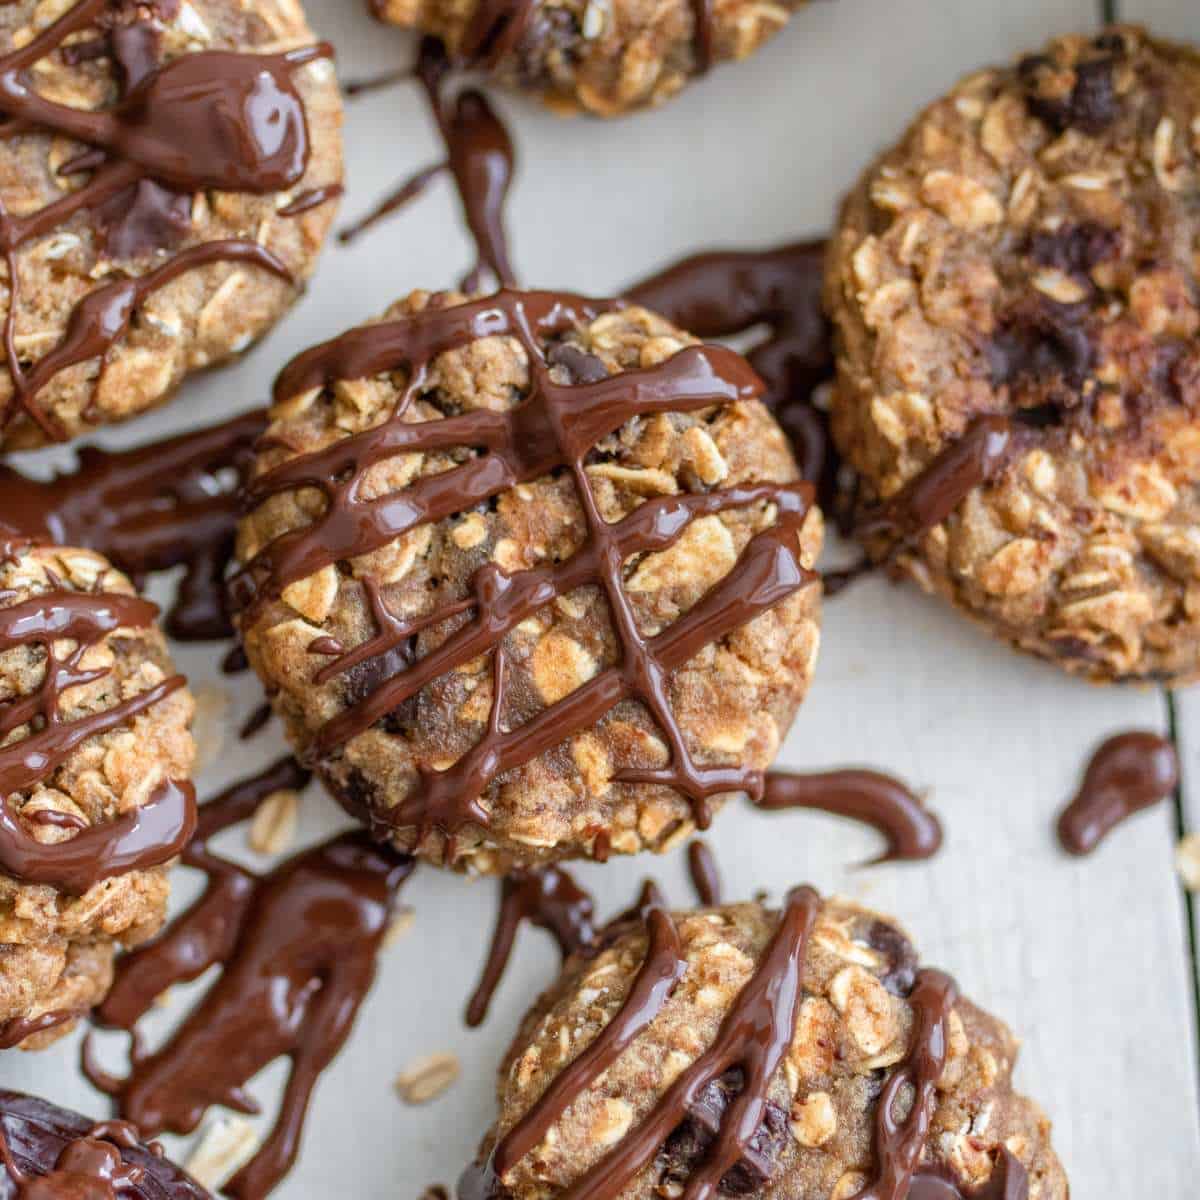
[1129, 772]
[753, 1039]
[218, 119]
[17, 1030]
[1008, 1181]
[554, 428]
[144, 837]
[882, 801]
[480, 160]
[48, 1153]
[547, 898]
[298, 948]
[166, 504]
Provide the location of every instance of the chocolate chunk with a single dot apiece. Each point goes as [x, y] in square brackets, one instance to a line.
[1075, 249]
[580, 366]
[144, 218]
[1091, 106]
[1041, 343]
[689, 1143]
[900, 954]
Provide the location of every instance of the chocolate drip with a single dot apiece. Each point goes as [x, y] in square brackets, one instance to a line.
[17, 1030]
[726, 293]
[480, 160]
[1129, 772]
[881, 801]
[162, 505]
[555, 427]
[661, 969]
[298, 948]
[146, 836]
[1008, 1181]
[900, 1143]
[547, 898]
[312, 198]
[217, 119]
[48, 1153]
[978, 457]
[702, 867]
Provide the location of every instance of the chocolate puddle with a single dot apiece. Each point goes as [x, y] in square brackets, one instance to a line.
[1127, 773]
[298, 949]
[166, 504]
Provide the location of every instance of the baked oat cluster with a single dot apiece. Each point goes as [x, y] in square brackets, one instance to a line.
[817, 1140]
[57, 946]
[733, 700]
[1029, 250]
[603, 57]
[205, 314]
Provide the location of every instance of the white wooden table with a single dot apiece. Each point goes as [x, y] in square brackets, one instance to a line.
[1090, 961]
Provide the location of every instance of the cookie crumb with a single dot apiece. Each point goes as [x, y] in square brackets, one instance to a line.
[427, 1078]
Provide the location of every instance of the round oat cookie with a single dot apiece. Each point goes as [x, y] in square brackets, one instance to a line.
[1014, 288]
[95, 756]
[417, 538]
[859, 1073]
[605, 59]
[166, 190]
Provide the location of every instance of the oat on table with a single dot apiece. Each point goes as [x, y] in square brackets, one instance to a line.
[1027, 254]
[381, 662]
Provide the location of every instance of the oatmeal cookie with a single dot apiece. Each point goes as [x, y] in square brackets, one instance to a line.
[1014, 288]
[95, 755]
[47, 1151]
[603, 58]
[859, 1074]
[166, 189]
[528, 576]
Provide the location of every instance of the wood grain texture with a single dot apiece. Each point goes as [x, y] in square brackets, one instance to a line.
[1086, 960]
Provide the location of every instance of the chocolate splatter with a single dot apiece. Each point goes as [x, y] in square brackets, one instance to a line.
[882, 801]
[298, 948]
[144, 837]
[702, 867]
[547, 898]
[48, 1153]
[554, 427]
[166, 504]
[480, 160]
[1129, 772]
[223, 119]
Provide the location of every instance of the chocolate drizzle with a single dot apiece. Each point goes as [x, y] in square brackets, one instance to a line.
[218, 119]
[48, 1153]
[726, 293]
[163, 505]
[547, 898]
[885, 803]
[298, 948]
[19, 1029]
[1008, 1181]
[899, 1143]
[480, 160]
[554, 427]
[1129, 772]
[144, 837]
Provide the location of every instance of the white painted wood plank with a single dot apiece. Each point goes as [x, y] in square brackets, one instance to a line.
[1173, 18]
[1086, 960]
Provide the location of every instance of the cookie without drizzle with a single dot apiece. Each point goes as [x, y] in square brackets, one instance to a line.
[1014, 289]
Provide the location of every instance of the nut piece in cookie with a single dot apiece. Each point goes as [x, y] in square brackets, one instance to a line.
[643, 1070]
[95, 756]
[49, 1151]
[1014, 288]
[528, 576]
[604, 57]
[165, 195]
